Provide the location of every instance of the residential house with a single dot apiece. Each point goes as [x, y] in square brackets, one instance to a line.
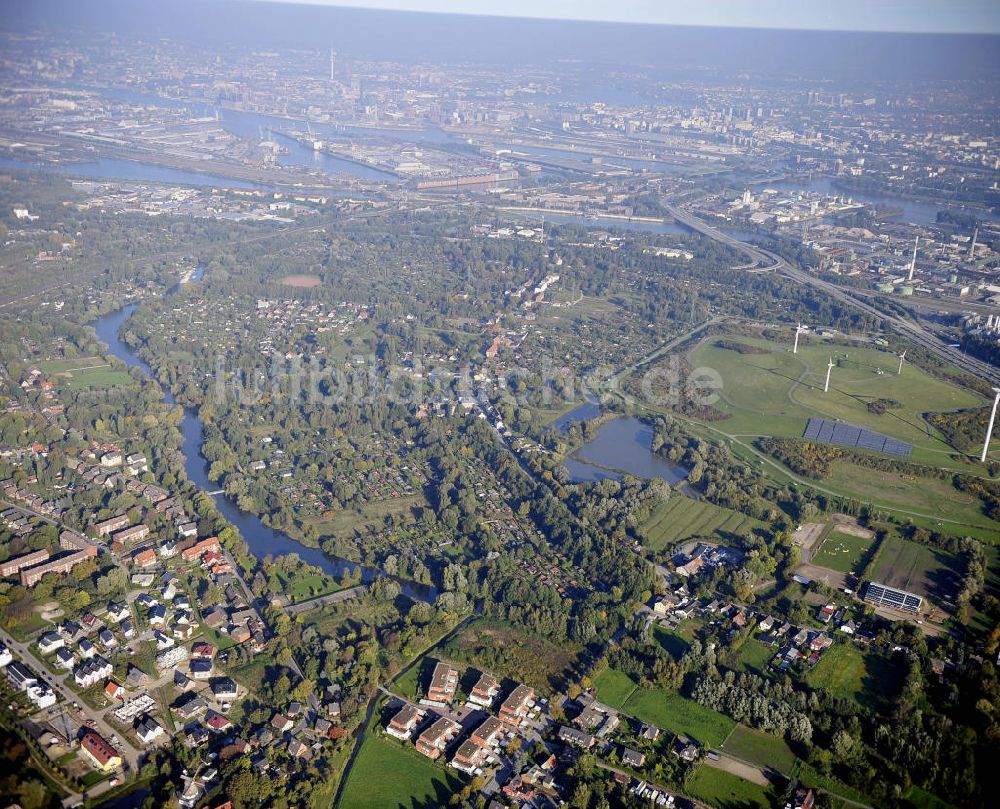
[444, 681]
[405, 722]
[433, 741]
[100, 752]
[485, 691]
[515, 708]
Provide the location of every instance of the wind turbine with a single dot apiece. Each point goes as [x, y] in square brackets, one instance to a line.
[901, 358]
[795, 347]
[989, 427]
[829, 367]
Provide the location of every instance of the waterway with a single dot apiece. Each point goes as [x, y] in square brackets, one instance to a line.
[108, 168]
[914, 211]
[261, 539]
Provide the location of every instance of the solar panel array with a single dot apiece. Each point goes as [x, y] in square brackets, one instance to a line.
[850, 435]
[891, 597]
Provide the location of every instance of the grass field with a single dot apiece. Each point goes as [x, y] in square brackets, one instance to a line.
[670, 711]
[614, 687]
[87, 372]
[303, 587]
[682, 518]
[918, 568]
[842, 552]
[763, 749]
[848, 673]
[775, 393]
[922, 799]
[754, 656]
[675, 644]
[386, 775]
[725, 791]
[925, 495]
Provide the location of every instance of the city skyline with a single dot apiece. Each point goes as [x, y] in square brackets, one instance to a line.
[902, 16]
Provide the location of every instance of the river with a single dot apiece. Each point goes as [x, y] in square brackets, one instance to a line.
[261, 539]
[914, 211]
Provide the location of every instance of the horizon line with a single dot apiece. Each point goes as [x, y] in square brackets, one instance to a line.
[342, 5]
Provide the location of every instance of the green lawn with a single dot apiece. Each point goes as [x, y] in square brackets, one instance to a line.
[755, 656]
[848, 673]
[776, 392]
[614, 687]
[924, 495]
[842, 552]
[670, 711]
[725, 791]
[682, 518]
[763, 749]
[918, 568]
[675, 644]
[387, 775]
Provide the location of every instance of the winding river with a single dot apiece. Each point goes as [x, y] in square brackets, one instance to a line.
[261, 539]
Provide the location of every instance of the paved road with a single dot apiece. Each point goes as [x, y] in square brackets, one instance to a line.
[129, 754]
[908, 328]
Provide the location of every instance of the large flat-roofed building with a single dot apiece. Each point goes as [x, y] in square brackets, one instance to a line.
[881, 595]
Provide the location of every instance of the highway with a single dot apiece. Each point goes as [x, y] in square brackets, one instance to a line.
[907, 328]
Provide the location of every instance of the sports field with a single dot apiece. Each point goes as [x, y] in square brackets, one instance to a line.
[842, 552]
[774, 393]
[919, 569]
[681, 519]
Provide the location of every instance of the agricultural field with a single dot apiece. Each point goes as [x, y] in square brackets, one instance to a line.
[842, 552]
[774, 393]
[847, 673]
[920, 569]
[725, 791]
[763, 749]
[681, 519]
[415, 781]
[87, 372]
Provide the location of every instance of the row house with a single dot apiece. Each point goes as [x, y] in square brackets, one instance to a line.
[92, 671]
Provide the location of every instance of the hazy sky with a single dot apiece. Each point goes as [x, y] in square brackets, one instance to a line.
[970, 16]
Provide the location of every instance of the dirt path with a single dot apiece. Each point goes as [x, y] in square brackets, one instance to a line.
[738, 768]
